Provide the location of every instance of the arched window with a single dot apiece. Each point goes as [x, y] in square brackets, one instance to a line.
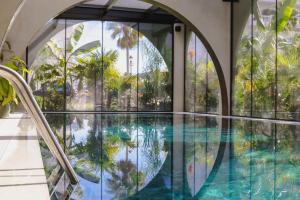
[105, 66]
[202, 89]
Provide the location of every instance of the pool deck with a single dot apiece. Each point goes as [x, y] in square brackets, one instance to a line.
[22, 173]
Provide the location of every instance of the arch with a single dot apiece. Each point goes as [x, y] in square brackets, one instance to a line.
[219, 70]
[214, 37]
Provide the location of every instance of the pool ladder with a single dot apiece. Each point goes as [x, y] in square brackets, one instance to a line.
[26, 96]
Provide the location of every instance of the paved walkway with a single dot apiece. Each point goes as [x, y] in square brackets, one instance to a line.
[22, 173]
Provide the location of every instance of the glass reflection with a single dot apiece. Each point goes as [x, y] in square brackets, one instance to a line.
[47, 81]
[160, 156]
[201, 81]
[267, 64]
[103, 66]
[83, 63]
[155, 90]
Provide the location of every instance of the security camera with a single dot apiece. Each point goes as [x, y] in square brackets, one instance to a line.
[177, 28]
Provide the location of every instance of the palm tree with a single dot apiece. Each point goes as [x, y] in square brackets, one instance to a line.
[155, 81]
[124, 179]
[127, 38]
[49, 67]
[93, 67]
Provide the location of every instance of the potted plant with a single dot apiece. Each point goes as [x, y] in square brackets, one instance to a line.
[7, 93]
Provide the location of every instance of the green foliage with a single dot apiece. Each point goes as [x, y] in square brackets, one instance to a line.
[85, 170]
[202, 83]
[155, 85]
[89, 68]
[126, 36]
[7, 92]
[285, 11]
[261, 68]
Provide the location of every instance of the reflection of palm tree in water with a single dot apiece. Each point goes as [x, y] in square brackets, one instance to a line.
[125, 177]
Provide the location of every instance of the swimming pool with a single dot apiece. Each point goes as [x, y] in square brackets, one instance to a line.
[180, 156]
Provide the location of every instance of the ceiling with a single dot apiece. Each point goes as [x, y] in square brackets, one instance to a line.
[133, 4]
[118, 10]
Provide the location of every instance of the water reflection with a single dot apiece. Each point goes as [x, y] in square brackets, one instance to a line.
[160, 156]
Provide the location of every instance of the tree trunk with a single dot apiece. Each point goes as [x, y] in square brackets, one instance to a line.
[127, 60]
[43, 101]
[108, 99]
[128, 73]
[127, 152]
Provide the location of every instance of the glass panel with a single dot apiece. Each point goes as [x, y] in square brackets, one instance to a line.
[288, 64]
[48, 67]
[104, 77]
[242, 80]
[266, 66]
[202, 89]
[190, 75]
[201, 77]
[213, 87]
[84, 64]
[120, 42]
[155, 67]
[264, 59]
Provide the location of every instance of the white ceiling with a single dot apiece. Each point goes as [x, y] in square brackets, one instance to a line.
[97, 2]
[136, 4]
[132, 4]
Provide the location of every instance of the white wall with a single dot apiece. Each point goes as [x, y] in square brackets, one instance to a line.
[178, 83]
[8, 10]
[212, 19]
[34, 15]
[241, 14]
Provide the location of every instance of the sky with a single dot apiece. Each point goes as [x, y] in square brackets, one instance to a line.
[93, 32]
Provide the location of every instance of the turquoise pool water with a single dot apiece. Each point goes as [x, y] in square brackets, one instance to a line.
[164, 156]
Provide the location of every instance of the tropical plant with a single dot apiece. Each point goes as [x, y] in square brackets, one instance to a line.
[256, 75]
[61, 61]
[7, 92]
[155, 85]
[127, 38]
[124, 179]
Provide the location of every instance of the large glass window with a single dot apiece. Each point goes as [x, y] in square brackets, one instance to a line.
[83, 64]
[288, 60]
[155, 67]
[242, 78]
[264, 58]
[120, 78]
[48, 79]
[266, 76]
[104, 66]
[202, 89]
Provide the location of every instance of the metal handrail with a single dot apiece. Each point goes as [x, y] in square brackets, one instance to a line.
[26, 96]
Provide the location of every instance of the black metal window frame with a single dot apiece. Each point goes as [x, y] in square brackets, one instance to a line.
[275, 98]
[206, 77]
[169, 22]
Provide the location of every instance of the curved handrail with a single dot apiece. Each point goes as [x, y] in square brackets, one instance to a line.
[31, 106]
